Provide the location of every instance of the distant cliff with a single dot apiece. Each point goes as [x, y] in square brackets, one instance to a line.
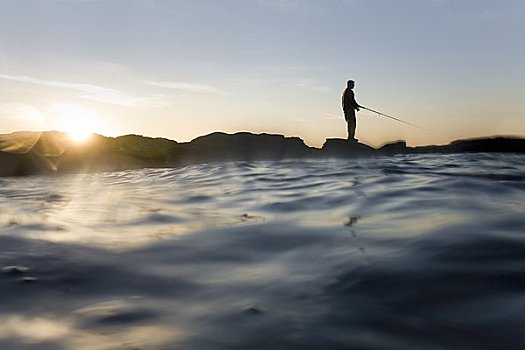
[28, 153]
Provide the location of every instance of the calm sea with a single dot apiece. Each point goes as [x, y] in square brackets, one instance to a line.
[406, 252]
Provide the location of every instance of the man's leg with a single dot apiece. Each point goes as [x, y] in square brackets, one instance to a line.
[351, 124]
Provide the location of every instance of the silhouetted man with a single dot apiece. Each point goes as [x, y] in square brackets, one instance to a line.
[349, 107]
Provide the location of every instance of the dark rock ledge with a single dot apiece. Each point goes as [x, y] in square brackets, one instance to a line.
[28, 153]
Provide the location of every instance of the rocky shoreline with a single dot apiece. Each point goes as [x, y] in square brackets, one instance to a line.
[31, 153]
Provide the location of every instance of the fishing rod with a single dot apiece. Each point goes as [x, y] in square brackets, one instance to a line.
[391, 117]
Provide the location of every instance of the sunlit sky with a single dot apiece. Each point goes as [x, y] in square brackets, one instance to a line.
[184, 68]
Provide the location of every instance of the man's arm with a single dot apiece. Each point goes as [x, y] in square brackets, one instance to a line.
[356, 105]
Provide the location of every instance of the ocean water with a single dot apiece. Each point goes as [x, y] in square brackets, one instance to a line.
[404, 252]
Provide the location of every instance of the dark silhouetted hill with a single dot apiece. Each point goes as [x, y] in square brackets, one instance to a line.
[28, 153]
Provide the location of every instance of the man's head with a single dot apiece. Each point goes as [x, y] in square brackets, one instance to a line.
[350, 84]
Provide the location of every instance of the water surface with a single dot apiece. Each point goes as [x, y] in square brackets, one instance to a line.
[417, 251]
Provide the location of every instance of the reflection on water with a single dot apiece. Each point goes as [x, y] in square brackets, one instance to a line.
[389, 253]
[33, 329]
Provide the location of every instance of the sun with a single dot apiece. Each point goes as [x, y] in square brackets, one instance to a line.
[79, 128]
[77, 121]
[78, 134]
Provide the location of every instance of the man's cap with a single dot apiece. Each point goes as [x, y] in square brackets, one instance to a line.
[350, 81]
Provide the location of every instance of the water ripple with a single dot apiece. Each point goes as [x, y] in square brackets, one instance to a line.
[404, 252]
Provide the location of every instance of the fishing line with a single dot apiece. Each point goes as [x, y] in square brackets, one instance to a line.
[391, 117]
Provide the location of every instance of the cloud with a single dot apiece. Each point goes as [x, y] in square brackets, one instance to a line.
[189, 87]
[21, 112]
[94, 92]
[302, 84]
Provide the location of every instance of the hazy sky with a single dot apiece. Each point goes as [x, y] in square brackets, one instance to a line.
[184, 68]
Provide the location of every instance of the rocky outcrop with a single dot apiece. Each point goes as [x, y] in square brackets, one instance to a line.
[397, 147]
[15, 164]
[341, 148]
[53, 152]
[241, 146]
